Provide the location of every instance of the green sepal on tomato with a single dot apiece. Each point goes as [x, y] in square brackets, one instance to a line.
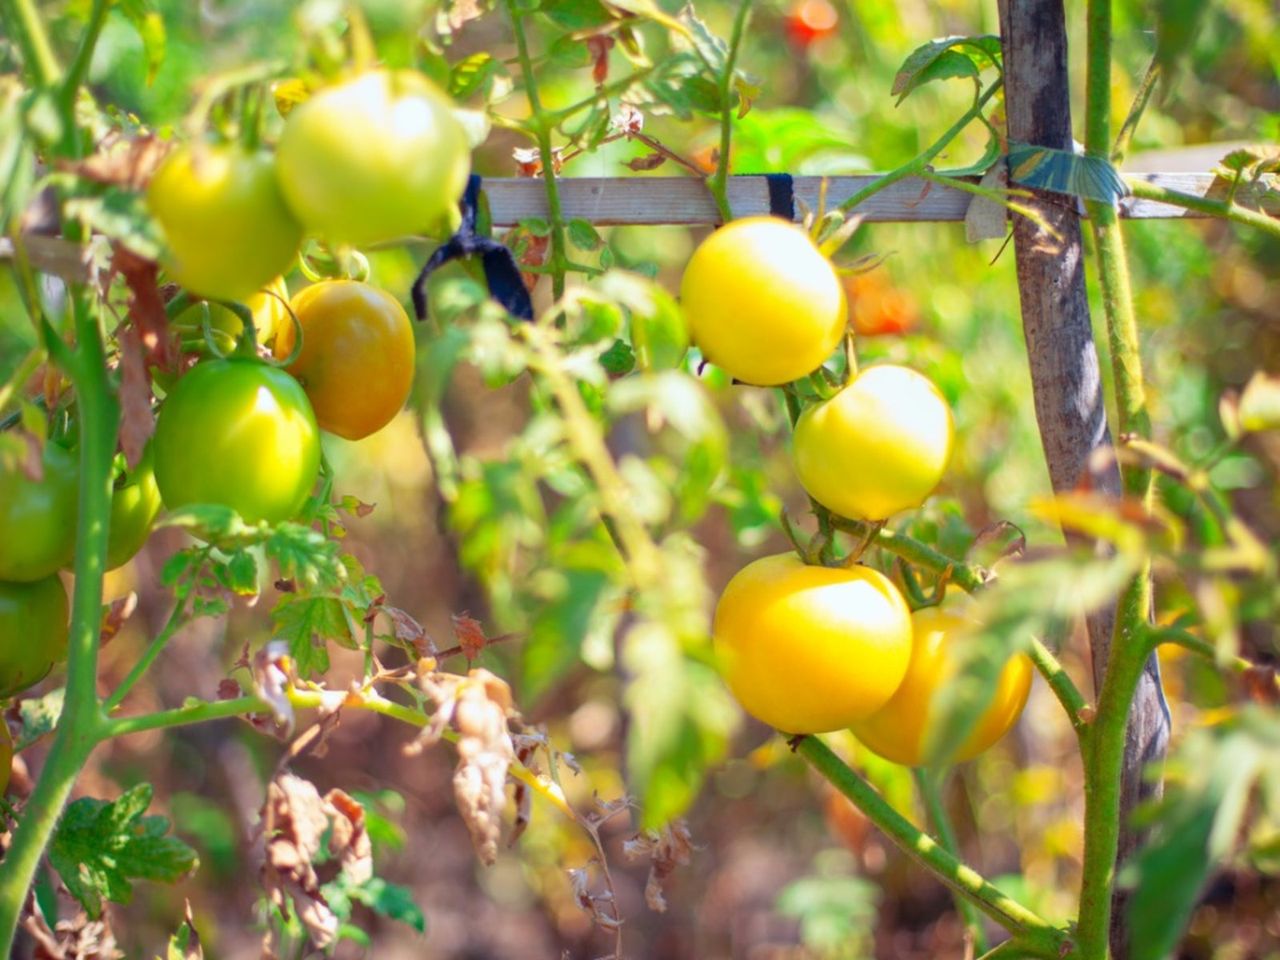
[38, 517]
[33, 632]
[239, 433]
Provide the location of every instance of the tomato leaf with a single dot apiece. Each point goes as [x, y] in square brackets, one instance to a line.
[1209, 784]
[39, 716]
[681, 719]
[149, 24]
[305, 623]
[945, 59]
[101, 846]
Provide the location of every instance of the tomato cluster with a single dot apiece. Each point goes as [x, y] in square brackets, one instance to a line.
[812, 648]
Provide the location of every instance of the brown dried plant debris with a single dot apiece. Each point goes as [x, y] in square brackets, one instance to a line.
[665, 849]
[78, 938]
[478, 707]
[295, 820]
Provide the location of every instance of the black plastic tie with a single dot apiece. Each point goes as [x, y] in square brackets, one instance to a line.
[782, 195]
[501, 272]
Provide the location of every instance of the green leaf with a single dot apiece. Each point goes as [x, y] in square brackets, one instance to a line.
[1260, 403]
[150, 26]
[659, 336]
[584, 236]
[711, 48]
[1177, 24]
[1061, 171]
[101, 846]
[478, 72]
[945, 59]
[305, 555]
[121, 215]
[1029, 600]
[242, 571]
[391, 901]
[1209, 782]
[305, 623]
[682, 718]
[577, 15]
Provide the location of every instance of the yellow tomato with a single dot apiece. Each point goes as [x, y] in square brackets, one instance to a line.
[897, 731]
[808, 649]
[878, 446]
[357, 357]
[762, 302]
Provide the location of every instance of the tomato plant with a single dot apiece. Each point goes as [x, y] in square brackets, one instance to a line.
[373, 158]
[269, 307]
[37, 517]
[227, 228]
[900, 730]
[878, 446]
[807, 648]
[762, 301]
[357, 358]
[239, 433]
[33, 632]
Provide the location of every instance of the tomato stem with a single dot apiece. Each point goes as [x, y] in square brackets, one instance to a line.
[1038, 937]
[929, 784]
[719, 180]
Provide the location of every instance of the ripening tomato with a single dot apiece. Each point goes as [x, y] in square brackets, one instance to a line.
[33, 631]
[226, 225]
[897, 731]
[38, 517]
[374, 158]
[135, 502]
[762, 302]
[810, 20]
[876, 307]
[878, 446]
[240, 433]
[357, 356]
[809, 649]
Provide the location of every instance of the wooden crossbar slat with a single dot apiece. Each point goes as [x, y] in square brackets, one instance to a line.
[656, 201]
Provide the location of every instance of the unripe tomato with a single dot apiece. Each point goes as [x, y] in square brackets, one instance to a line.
[374, 158]
[239, 433]
[38, 518]
[227, 227]
[809, 649]
[897, 731]
[33, 631]
[878, 446]
[357, 356]
[135, 501]
[762, 302]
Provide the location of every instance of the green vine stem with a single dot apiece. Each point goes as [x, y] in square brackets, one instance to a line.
[919, 164]
[929, 784]
[79, 726]
[33, 40]
[1037, 936]
[1146, 190]
[718, 183]
[542, 123]
[1139, 106]
[1104, 760]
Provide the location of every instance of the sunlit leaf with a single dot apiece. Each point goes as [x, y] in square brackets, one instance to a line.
[1260, 403]
[945, 59]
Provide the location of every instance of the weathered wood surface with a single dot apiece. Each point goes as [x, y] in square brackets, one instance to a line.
[1064, 361]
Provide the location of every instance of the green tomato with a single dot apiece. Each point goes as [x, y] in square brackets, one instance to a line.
[38, 518]
[33, 632]
[374, 158]
[135, 501]
[238, 433]
[228, 230]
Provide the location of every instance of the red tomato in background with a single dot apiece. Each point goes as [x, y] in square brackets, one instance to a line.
[810, 20]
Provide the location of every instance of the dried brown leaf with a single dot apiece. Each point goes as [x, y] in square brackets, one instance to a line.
[599, 47]
[137, 420]
[122, 162]
[77, 938]
[114, 616]
[146, 307]
[470, 635]
[665, 850]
